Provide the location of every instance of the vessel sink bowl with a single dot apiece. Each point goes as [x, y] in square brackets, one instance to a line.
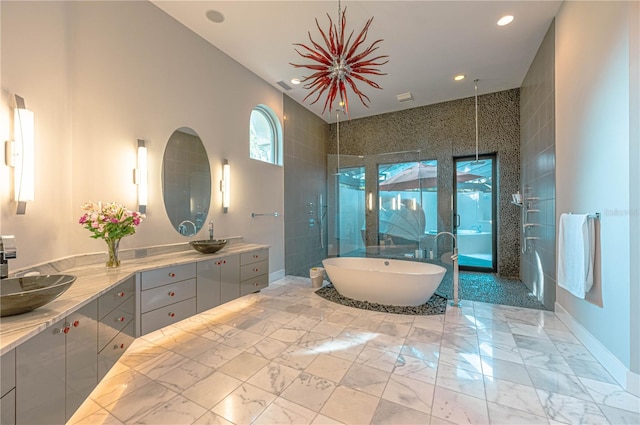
[208, 246]
[23, 294]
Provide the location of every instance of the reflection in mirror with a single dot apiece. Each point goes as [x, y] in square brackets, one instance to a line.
[186, 181]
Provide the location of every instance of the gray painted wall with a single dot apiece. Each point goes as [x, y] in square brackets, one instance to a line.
[305, 165]
[100, 75]
[447, 130]
[537, 148]
[595, 153]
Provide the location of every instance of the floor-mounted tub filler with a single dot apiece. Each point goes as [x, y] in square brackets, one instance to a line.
[384, 281]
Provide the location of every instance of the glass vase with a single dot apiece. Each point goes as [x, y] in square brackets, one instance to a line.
[113, 245]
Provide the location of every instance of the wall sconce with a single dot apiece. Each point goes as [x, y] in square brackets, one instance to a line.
[225, 185]
[140, 177]
[19, 154]
[370, 201]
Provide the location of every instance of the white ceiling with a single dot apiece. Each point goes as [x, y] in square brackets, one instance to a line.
[428, 42]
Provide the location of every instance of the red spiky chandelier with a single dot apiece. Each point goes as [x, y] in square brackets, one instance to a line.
[338, 64]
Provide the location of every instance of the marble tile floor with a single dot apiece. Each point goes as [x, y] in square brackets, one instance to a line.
[287, 356]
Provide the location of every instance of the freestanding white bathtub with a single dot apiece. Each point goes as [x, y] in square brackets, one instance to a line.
[384, 281]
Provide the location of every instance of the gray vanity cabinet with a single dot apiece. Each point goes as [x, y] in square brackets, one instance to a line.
[229, 278]
[167, 296]
[81, 356]
[218, 281]
[40, 377]
[254, 271]
[57, 369]
[116, 325]
[8, 388]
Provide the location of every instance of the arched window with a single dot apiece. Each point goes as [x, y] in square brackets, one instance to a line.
[265, 135]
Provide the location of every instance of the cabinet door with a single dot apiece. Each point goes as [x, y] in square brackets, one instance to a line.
[40, 378]
[8, 408]
[7, 372]
[230, 279]
[208, 285]
[7, 388]
[81, 356]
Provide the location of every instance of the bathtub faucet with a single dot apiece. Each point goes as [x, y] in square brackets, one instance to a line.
[455, 241]
[454, 258]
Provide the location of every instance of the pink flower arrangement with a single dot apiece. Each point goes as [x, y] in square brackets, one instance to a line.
[109, 221]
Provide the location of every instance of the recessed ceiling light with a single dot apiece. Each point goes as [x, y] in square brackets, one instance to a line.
[295, 81]
[215, 16]
[459, 77]
[505, 20]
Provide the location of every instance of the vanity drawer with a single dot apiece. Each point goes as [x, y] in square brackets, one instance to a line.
[115, 296]
[250, 271]
[114, 322]
[161, 296]
[254, 285]
[165, 316]
[154, 278]
[110, 354]
[254, 256]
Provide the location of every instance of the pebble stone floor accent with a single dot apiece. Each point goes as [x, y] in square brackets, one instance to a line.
[435, 305]
[287, 356]
[489, 288]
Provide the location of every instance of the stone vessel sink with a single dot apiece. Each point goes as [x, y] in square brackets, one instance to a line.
[208, 246]
[23, 294]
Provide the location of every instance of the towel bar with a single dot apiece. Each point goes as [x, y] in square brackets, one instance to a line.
[274, 214]
[594, 216]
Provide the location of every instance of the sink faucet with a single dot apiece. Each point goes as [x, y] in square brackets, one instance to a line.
[211, 230]
[7, 252]
[454, 258]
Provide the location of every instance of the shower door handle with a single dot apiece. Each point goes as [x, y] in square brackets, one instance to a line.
[457, 220]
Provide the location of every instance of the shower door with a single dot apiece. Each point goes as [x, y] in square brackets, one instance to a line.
[475, 212]
[346, 206]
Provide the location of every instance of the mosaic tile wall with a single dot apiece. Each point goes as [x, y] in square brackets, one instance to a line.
[305, 165]
[447, 130]
[537, 144]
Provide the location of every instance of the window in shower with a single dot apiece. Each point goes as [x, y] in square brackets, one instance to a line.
[407, 205]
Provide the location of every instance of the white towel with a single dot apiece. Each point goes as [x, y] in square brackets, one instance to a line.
[576, 253]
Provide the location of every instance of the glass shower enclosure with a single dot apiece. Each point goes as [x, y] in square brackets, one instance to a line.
[382, 205]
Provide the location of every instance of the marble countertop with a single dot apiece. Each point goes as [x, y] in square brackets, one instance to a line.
[92, 281]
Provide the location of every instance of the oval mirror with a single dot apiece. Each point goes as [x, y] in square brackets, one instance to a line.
[186, 181]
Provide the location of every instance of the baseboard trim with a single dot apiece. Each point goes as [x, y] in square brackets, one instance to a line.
[278, 274]
[628, 380]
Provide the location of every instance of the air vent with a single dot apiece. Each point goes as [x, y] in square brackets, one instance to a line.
[283, 85]
[405, 97]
